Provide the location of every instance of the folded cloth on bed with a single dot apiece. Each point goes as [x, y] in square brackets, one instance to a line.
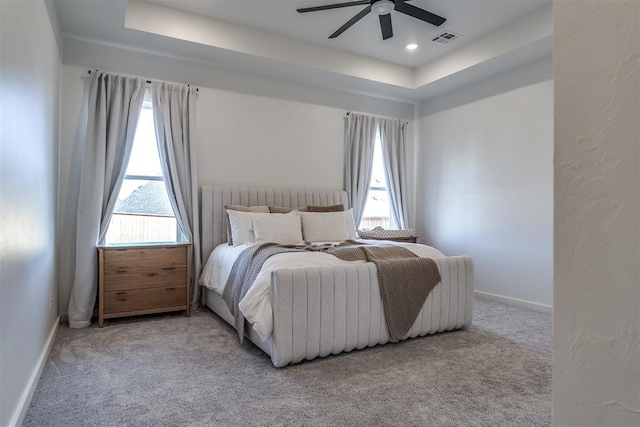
[244, 272]
[405, 280]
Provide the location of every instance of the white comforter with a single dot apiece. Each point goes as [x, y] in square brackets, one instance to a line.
[256, 304]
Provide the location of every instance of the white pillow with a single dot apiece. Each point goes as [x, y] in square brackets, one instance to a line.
[350, 224]
[328, 226]
[240, 223]
[284, 229]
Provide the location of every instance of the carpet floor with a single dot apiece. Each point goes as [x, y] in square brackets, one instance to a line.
[169, 370]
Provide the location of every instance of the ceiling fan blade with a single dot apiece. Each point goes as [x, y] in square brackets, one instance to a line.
[333, 6]
[385, 26]
[351, 21]
[418, 13]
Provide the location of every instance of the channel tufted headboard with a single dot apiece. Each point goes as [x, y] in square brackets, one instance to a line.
[215, 198]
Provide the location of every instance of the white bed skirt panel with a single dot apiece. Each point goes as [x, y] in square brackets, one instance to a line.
[330, 310]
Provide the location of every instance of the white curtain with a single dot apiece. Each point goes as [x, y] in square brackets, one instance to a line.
[114, 107]
[360, 142]
[394, 150]
[174, 112]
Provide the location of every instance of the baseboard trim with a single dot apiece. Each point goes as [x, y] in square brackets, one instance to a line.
[515, 302]
[27, 394]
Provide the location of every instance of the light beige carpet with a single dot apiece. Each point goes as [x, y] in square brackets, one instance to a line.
[169, 370]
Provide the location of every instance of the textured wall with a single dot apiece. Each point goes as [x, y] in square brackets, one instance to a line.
[597, 289]
[485, 181]
[29, 87]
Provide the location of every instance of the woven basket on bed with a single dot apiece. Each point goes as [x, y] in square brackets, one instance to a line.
[381, 233]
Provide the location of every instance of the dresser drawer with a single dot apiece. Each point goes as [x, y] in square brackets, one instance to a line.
[119, 280]
[145, 299]
[123, 259]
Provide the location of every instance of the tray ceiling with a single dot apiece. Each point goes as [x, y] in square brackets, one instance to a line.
[469, 18]
[269, 37]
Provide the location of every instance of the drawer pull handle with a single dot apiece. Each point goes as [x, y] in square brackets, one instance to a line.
[122, 296]
[121, 271]
[152, 274]
[168, 268]
[171, 289]
[121, 293]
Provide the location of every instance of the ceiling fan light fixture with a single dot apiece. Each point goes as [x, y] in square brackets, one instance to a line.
[412, 46]
[383, 7]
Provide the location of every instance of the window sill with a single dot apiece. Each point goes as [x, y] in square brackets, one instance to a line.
[142, 245]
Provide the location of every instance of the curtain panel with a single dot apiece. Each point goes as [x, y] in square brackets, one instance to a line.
[394, 153]
[360, 143]
[113, 110]
[174, 111]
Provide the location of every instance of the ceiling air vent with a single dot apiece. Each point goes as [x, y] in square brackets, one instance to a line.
[446, 37]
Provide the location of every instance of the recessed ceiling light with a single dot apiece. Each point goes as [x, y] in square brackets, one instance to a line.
[412, 46]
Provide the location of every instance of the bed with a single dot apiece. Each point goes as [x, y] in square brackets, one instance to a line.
[326, 309]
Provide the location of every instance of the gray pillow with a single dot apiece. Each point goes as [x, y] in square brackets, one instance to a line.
[284, 210]
[332, 208]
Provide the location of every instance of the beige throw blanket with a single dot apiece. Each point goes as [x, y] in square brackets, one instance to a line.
[405, 280]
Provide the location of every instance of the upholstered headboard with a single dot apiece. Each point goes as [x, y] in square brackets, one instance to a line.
[215, 198]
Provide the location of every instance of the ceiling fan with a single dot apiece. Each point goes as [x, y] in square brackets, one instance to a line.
[383, 9]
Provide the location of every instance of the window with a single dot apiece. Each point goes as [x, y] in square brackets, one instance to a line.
[377, 210]
[143, 212]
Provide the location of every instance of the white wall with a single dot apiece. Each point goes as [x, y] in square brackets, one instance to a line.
[248, 139]
[485, 180]
[251, 130]
[596, 372]
[29, 101]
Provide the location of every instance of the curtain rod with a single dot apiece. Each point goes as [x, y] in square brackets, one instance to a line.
[149, 81]
[380, 117]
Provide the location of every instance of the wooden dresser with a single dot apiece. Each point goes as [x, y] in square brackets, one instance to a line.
[143, 279]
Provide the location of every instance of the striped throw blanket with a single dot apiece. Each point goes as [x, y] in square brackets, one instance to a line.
[244, 272]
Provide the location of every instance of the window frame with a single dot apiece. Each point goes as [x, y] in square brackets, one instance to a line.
[378, 143]
[158, 178]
